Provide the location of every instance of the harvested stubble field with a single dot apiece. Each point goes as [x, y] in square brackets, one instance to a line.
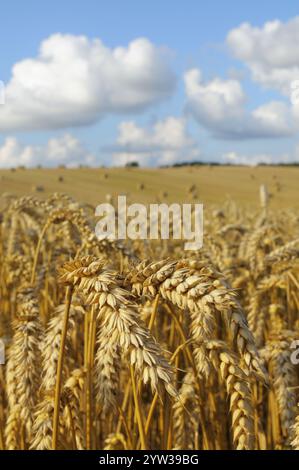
[142, 345]
[212, 184]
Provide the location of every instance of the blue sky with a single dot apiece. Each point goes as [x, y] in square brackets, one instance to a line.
[189, 35]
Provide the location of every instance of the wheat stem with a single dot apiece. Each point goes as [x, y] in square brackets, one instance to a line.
[68, 301]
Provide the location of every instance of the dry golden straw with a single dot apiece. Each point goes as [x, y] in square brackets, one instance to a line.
[142, 345]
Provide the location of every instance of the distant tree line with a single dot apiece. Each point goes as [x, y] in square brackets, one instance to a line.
[201, 163]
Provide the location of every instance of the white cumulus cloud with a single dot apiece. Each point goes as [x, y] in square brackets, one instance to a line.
[67, 150]
[75, 81]
[271, 52]
[220, 106]
[165, 142]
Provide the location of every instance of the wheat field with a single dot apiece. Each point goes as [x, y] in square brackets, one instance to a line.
[141, 344]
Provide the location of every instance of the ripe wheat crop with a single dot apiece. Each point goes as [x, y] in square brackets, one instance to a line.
[142, 345]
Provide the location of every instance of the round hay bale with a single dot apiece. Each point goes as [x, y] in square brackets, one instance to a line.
[192, 188]
[38, 189]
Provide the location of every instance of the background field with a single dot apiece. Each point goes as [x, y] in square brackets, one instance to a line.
[213, 184]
